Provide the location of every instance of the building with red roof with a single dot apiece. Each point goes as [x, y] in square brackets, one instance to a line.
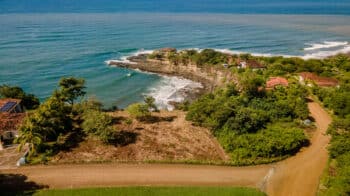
[276, 81]
[320, 81]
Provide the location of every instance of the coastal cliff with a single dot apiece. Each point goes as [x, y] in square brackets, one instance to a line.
[209, 77]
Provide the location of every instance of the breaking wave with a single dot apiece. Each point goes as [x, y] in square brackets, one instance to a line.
[325, 44]
[171, 89]
[313, 51]
[124, 59]
[325, 49]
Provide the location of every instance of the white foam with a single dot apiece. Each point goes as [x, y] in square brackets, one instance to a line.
[327, 53]
[228, 51]
[142, 51]
[325, 44]
[325, 49]
[171, 89]
[124, 59]
[121, 60]
[334, 48]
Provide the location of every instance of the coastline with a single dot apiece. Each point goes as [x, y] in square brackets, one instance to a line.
[209, 78]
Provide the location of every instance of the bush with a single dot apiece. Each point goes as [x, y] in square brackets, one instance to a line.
[100, 124]
[138, 111]
[273, 143]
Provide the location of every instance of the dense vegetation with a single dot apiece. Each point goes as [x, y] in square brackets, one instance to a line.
[29, 101]
[206, 57]
[254, 129]
[62, 121]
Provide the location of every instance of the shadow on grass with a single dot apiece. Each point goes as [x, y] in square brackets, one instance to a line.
[18, 184]
[123, 138]
[118, 120]
[156, 119]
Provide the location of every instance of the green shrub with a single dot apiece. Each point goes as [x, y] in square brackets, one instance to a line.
[138, 111]
[100, 124]
[272, 143]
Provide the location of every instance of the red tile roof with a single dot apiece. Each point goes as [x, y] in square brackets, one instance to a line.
[320, 81]
[276, 81]
[10, 121]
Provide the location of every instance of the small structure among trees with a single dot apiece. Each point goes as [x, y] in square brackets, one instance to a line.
[304, 77]
[11, 116]
[11, 105]
[252, 64]
[276, 81]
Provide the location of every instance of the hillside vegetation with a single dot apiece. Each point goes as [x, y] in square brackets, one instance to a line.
[257, 126]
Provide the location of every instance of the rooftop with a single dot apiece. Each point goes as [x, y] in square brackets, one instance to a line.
[7, 104]
[276, 81]
[321, 81]
[250, 63]
[10, 121]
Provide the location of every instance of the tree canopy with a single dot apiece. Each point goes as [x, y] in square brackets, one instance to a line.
[71, 89]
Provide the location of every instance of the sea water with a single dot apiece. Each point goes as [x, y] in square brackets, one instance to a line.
[42, 42]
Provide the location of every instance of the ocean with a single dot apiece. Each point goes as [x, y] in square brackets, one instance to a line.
[40, 42]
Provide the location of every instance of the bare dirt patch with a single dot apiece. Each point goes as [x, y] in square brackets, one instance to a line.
[9, 157]
[167, 137]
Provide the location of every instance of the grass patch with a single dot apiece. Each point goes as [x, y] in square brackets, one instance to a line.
[163, 191]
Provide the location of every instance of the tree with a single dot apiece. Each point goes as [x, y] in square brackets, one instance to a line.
[246, 120]
[150, 102]
[29, 133]
[29, 101]
[51, 119]
[138, 111]
[341, 103]
[250, 84]
[71, 88]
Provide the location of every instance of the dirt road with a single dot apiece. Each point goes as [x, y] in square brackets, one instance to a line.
[298, 175]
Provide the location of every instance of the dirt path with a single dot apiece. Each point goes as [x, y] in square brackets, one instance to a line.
[298, 175]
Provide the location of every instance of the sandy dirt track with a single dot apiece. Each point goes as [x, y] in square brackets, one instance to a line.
[298, 175]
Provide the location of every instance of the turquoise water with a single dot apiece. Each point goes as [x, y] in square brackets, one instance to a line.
[37, 49]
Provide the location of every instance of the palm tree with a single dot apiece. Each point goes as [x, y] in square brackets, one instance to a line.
[29, 134]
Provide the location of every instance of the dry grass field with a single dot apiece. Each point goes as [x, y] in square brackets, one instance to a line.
[166, 137]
